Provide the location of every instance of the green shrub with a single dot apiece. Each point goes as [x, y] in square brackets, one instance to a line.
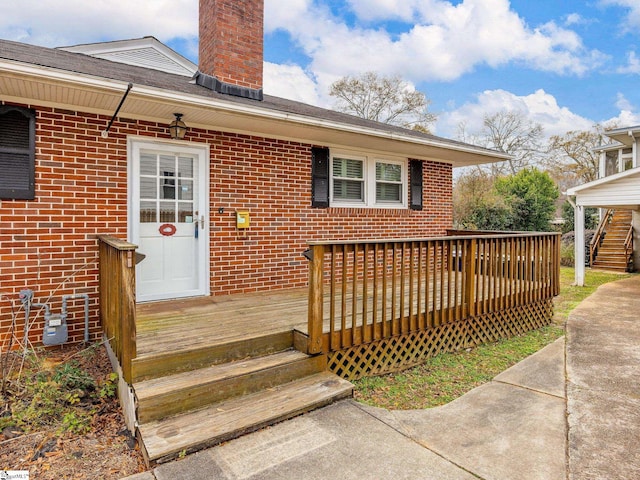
[567, 255]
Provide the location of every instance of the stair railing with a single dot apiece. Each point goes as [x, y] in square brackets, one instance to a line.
[598, 237]
[628, 248]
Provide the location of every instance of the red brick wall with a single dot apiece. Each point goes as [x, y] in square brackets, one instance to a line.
[231, 41]
[49, 244]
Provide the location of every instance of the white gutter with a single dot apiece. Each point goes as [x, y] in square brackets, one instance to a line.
[157, 94]
[266, 113]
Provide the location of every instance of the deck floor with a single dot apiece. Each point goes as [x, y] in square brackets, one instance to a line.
[204, 321]
[194, 322]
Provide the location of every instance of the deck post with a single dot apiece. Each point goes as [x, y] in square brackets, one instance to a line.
[118, 299]
[470, 273]
[128, 307]
[316, 315]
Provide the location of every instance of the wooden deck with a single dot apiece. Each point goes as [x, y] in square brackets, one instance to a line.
[196, 322]
[199, 367]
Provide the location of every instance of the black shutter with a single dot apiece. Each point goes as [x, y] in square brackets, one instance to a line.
[320, 177]
[17, 153]
[415, 171]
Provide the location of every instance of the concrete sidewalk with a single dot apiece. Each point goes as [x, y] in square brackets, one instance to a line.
[514, 427]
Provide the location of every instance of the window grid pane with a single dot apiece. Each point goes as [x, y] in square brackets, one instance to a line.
[348, 190]
[348, 168]
[390, 172]
[388, 193]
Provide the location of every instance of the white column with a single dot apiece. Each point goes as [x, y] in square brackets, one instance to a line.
[578, 218]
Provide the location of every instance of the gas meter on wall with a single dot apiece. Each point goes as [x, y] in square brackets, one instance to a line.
[242, 219]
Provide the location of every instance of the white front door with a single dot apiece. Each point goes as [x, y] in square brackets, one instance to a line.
[169, 220]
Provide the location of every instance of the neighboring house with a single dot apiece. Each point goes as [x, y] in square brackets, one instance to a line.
[617, 193]
[299, 240]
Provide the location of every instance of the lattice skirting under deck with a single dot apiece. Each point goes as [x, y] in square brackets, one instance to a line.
[400, 352]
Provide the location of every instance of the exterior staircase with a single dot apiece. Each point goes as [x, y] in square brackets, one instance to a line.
[193, 400]
[610, 247]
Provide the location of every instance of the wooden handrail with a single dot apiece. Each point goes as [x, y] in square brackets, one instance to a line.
[366, 290]
[117, 298]
[628, 246]
[598, 236]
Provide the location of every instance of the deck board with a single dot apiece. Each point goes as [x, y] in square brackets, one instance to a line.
[195, 322]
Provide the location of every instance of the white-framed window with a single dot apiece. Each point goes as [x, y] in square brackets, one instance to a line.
[368, 181]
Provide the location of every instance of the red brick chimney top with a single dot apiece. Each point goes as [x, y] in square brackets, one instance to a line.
[231, 42]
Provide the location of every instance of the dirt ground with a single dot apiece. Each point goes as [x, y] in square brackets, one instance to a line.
[107, 450]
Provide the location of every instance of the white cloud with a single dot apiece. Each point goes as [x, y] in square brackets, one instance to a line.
[632, 21]
[574, 19]
[628, 114]
[445, 42]
[622, 103]
[278, 14]
[372, 10]
[53, 23]
[633, 64]
[290, 81]
[539, 107]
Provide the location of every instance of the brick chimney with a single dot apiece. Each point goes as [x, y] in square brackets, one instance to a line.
[231, 46]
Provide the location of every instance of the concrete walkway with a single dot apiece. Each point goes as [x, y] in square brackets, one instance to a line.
[545, 418]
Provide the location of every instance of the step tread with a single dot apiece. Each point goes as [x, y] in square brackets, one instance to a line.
[192, 431]
[182, 359]
[214, 373]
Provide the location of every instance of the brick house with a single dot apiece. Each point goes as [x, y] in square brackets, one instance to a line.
[243, 151]
[309, 244]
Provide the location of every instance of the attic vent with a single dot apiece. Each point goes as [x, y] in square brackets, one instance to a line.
[212, 83]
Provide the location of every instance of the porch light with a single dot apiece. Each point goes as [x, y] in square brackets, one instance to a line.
[177, 128]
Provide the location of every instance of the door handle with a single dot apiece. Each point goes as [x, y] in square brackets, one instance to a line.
[201, 220]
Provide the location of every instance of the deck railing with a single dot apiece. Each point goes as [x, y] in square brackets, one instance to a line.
[117, 298]
[362, 291]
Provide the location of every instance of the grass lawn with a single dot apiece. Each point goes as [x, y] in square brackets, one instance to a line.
[446, 377]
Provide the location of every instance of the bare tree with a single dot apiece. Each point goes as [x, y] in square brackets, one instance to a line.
[508, 132]
[571, 156]
[383, 99]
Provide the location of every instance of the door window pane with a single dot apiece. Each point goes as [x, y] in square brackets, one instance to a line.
[185, 189]
[167, 212]
[149, 187]
[148, 212]
[185, 212]
[168, 190]
[185, 167]
[148, 164]
[167, 166]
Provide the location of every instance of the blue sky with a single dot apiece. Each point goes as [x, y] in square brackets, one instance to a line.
[565, 64]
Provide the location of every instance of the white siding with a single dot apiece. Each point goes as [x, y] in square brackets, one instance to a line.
[618, 192]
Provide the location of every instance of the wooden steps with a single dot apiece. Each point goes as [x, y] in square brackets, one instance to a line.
[189, 432]
[191, 398]
[611, 252]
[189, 357]
[173, 394]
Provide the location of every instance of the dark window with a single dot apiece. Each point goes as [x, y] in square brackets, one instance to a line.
[17, 152]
